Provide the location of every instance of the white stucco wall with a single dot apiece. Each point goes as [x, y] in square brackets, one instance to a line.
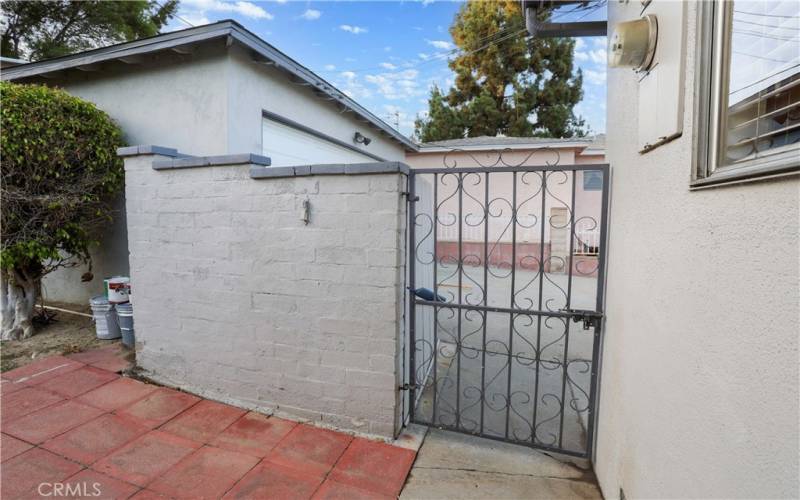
[206, 103]
[699, 387]
[254, 87]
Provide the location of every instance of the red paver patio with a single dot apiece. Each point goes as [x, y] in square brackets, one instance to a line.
[95, 439]
[91, 484]
[160, 406]
[374, 466]
[10, 447]
[24, 473]
[25, 401]
[78, 381]
[117, 394]
[42, 370]
[254, 434]
[206, 473]
[49, 422]
[203, 421]
[82, 426]
[310, 449]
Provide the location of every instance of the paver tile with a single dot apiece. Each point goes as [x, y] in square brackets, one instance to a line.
[9, 386]
[207, 473]
[22, 474]
[91, 484]
[144, 459]
[42, 370]
[117, 394]
[95, 439]
[310, 449]
[160, 406]
[332, 490]
[114, 364]
[51, 421]
[25, 401]
[10, 447]
[254, 434]
[78, 381]
[203, 421]
[269, 480]
[374, 466]
[97, 355]
[145, 494]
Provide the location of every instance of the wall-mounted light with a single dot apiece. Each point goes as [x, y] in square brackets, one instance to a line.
[633, 44]
[360, 139]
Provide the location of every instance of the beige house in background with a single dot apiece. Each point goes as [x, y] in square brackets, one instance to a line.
[494, 153]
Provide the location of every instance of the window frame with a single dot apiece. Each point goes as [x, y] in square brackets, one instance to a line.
[590, 179]
[711, 88]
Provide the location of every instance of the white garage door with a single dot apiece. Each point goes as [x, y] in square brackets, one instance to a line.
[286, 146]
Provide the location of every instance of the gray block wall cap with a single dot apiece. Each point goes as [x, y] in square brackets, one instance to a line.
[148, 149]
[384, 167]
[212, 161]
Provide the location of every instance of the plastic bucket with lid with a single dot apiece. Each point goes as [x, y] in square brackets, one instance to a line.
[118, 289]
[105, 318]
[125, 319]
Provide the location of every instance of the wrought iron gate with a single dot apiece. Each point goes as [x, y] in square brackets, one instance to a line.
[506, 279]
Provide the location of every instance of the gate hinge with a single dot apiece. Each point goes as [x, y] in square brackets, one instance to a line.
[409, 198]
[590, 319]
[407, 387]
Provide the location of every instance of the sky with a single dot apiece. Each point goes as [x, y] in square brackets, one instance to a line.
[386, 55]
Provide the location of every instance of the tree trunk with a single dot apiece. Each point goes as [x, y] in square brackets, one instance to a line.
[17, 299]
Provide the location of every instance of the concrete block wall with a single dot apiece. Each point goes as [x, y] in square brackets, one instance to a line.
[236, 298]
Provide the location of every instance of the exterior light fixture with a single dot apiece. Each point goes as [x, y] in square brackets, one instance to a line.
[633, 44]
[360, 139]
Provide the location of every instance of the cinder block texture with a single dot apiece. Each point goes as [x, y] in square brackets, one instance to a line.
[238, 299]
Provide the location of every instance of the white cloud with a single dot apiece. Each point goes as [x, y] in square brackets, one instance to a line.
[356, 30]
[311, 15]
[600, 42]
[581, 56]
[580, 44]
[598, 56]
[595, 77]
[440, 44]
[387, 65]
[330, 67]
[350, 59]
[197, 9]
[425, 3]
[348, 75]
[396, 85]
[424, 56]
[387, 49]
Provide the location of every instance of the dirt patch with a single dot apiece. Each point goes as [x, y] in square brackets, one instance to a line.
[65, 334]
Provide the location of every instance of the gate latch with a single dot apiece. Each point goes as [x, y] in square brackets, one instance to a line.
[407, 387]
[590, 319]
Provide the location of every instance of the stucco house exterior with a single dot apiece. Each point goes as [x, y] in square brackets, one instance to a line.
[497, 152]
[699, 382]
[211, 90]
[272, 282]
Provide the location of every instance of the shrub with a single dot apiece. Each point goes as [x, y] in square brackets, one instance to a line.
[59, 172]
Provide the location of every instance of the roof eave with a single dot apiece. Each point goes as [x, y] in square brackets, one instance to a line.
[200, 34]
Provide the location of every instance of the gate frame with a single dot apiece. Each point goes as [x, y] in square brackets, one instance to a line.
[570, 315]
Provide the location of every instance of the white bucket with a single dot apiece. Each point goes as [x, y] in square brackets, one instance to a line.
[118, 289]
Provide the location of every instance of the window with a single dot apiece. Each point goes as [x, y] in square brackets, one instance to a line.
[592, 180]
[749, 90]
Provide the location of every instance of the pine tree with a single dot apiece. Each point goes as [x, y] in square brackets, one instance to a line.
[507, 83]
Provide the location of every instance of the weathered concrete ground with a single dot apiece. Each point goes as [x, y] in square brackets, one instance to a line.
[452, 465]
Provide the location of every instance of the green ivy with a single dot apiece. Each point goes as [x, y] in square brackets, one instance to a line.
[60, 170]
